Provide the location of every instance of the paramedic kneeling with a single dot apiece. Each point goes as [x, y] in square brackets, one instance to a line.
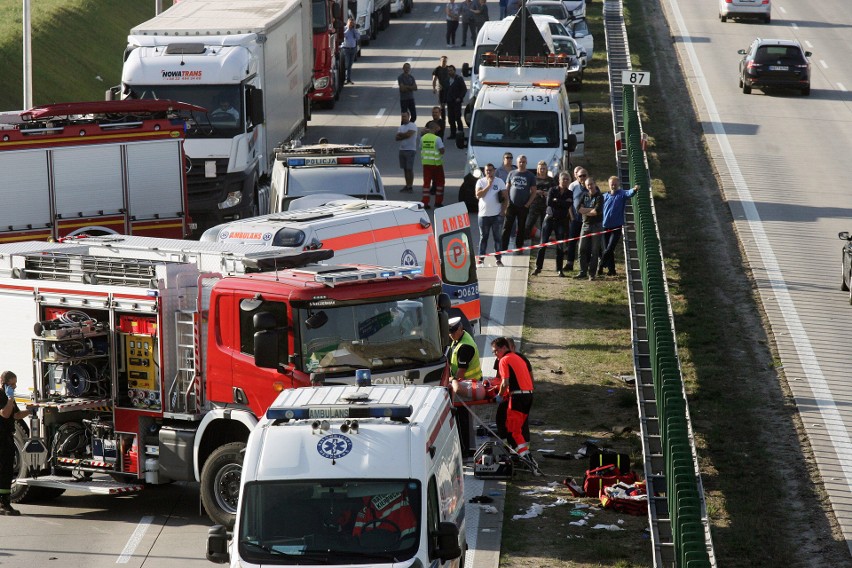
[517, 386]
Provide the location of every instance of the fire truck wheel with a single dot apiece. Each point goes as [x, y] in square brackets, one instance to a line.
[27, 493]
[220, 483]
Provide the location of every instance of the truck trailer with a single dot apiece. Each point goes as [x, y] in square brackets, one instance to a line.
[251, 64]
[153, 359]
[94, 168]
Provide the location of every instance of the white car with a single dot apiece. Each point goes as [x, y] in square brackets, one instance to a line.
[579, 30]
[567, 46]
[760, 9]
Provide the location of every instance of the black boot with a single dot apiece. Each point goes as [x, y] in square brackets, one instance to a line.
[6, 507]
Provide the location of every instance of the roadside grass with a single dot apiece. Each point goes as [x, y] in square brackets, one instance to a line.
[73, 43]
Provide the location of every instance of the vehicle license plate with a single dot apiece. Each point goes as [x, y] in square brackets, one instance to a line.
[779, 68]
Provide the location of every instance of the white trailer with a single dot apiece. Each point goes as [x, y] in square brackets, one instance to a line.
[251, 64]
[371, 16]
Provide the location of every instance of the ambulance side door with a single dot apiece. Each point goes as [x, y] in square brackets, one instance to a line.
[352, 242]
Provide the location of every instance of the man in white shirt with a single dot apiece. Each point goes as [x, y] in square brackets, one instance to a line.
[489, 189]
[406, 135]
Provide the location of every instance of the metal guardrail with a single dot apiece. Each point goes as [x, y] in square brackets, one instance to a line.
[680, 530]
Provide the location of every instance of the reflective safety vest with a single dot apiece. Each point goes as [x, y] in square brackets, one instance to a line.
[429, 153]
[474, 370]
[389, 512]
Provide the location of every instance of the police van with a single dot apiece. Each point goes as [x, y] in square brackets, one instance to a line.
[383, 233]
[350, 476]
[306, 171]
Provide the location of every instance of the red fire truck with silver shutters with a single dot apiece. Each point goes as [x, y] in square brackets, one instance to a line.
[96, 167]
[154, 358]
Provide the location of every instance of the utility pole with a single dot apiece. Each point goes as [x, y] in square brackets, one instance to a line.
[28, 58]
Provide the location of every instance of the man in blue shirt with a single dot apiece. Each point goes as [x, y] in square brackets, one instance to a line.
[613, 219]
[351, 36]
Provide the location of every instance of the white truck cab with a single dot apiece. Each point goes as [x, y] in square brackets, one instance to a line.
[350, 476]
[341, 169]
[523, 110]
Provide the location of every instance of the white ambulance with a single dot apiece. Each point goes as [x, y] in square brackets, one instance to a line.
[382, 233]
[350, 476]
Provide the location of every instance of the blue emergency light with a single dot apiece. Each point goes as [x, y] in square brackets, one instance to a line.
[326, 411]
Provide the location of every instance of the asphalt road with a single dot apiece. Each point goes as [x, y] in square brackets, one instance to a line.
[164, 527]
[782, 160]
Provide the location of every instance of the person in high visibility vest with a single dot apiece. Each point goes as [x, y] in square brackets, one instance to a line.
[432, 157]
[465, 379]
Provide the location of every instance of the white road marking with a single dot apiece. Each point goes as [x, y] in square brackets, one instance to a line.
[841, 87]
[381, 112]
[808, 44]
[783, 11]
[823, 64]
[437, 8]
[841, 443]
[428, 25]
[134, 540]
[363, 141]
[419, 42]
[794, 26]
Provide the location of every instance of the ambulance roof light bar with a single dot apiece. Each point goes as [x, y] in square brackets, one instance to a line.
[347, 275]
[327, 411]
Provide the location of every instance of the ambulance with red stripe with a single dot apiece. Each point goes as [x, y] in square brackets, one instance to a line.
[350, 476]
[397, 233]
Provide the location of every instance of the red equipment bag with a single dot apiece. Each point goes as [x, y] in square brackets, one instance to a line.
[631, 499]
[600, 477]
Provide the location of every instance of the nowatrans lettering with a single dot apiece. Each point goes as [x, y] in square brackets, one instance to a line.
[186, 75]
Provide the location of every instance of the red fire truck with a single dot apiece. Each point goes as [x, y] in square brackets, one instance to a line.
[95, 167]
[154, 358]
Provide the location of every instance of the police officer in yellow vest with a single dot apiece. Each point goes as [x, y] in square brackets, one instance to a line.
[464, 366]
[432, 157]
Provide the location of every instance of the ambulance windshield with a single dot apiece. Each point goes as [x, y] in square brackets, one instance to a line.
[515, 128]
[330, 522]
[378, 336]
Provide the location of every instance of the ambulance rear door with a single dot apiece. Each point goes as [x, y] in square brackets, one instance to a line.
[458, 267]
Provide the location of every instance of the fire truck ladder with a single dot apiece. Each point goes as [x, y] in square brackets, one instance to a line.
[182, 395]
[669, 549]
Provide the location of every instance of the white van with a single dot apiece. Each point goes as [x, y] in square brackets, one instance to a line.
[350, 476]
[489, 37]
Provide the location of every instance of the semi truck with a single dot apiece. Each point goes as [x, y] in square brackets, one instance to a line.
[153, 359]
[327, 23]
[94, 168]
[371, 16]
[341, 476]
[251, 64]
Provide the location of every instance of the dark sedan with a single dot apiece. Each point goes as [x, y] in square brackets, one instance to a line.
[771, 63]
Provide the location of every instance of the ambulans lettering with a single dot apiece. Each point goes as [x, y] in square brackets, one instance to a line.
[328, 412]
[334, 446]
[455, 223]
[383, 500]
[181, 75]
[244, 236]
[395, 380]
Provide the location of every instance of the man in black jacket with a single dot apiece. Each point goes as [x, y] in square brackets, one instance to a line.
[456, 91]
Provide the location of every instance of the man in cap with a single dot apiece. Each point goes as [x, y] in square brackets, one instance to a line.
[465, 373]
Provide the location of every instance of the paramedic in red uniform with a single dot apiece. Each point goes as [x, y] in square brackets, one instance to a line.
[517, 387]
[386, 512]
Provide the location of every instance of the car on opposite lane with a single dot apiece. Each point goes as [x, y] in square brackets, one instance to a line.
[736, 9]
[770, 63]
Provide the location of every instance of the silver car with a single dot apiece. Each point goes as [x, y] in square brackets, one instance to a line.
[760, 9]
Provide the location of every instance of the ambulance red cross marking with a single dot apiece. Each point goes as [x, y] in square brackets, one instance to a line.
[456, 253]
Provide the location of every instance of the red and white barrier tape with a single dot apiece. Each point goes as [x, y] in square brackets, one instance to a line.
[547, 244]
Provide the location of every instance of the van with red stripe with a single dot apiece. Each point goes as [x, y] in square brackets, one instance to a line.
[386, 233]
[350, 476]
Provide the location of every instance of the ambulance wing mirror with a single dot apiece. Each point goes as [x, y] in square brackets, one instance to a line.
[444, 306]
[447, 542]
[466, 69]
[570, 143]
[265, 341]
[217, 545]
